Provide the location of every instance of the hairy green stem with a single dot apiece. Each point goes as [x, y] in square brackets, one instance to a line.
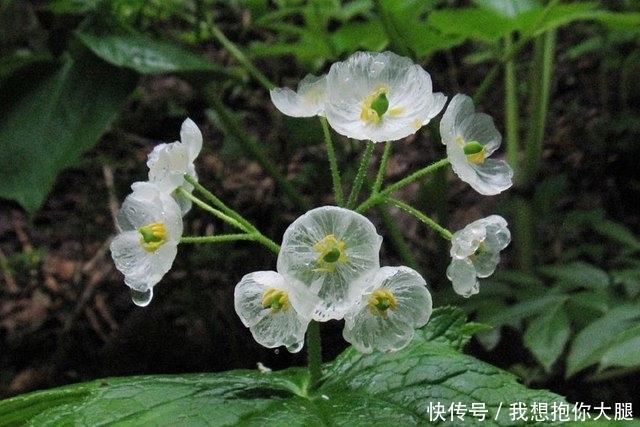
[382, 196]
[241, 58]
[314, 353]
[383, 167]
[511, 110]
[422, 217]
[333, 163]
[539, 105]
[360, 175]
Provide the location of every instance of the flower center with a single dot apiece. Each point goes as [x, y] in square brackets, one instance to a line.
[475, 152]
[331, 251]
[376, 104]
[276, 300]
[380, 301]
[153, 236]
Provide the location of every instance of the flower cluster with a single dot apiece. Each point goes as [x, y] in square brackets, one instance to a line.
[329, 268]
[328, 265]
[150, 219]
[385, 97]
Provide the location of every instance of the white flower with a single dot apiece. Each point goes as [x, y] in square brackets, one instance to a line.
[329, 251]
[168, 163]
[261, 300]
[380, 97]
[308, 101]
[150, 221]
[470, 139]
[387, 315]
[476, 252]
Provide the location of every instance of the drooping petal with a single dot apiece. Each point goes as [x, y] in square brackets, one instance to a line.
[145, 263]
[386, 316]
[308, 101]
[270, 326]
[475, 252]
[462, 274]
[168, 163]
[460, 127]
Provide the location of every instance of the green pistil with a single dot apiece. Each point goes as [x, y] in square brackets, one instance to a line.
[474, 151]
[380, 104]
[153, 236]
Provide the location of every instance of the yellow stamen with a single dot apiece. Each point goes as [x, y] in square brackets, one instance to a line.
[331, 251]
[476, 152]
[380, 301]
[276, 300]
[153, 235]
[375, 105]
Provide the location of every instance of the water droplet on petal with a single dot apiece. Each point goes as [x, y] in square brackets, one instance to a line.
[142, 299]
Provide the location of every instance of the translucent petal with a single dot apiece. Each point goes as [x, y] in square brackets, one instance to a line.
[308, 101]
[191, 137]
[462, 274]
[460, 125]
[408, 88]
[168, 163]
[145, 205]
[298, 259]
[271, 329]
[392, 331]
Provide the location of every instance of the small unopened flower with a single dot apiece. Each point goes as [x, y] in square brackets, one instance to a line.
[308, 101]
[475, 252]
[262, 301]
[168, 163]
[150, 221]
[471, 138]
[380, 97]
[329, 250]
[395, 304]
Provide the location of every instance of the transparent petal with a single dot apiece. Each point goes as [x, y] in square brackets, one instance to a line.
[191, 137]
[282, 328]
[412, 102]
[462, 274]
[460, 125]
[308, 101]
[390, 332]
[145, 205]
[298, 257]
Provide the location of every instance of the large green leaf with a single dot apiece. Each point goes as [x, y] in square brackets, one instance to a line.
[147, 55]
[403, 388]
[604, 337]
[54, 112]
[547, 334]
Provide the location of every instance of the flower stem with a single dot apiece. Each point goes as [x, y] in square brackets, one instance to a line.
[511, 109]
[382, 196]
[241, 58]
[314, 353]
[362, 171]
[383, 168]
[213, 211]
[333, 163]
[220, 238]
[422, 217]
[230, 217]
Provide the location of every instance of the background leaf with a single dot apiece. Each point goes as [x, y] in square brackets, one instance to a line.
[378, 389]
[54, 113]
[146, 55]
